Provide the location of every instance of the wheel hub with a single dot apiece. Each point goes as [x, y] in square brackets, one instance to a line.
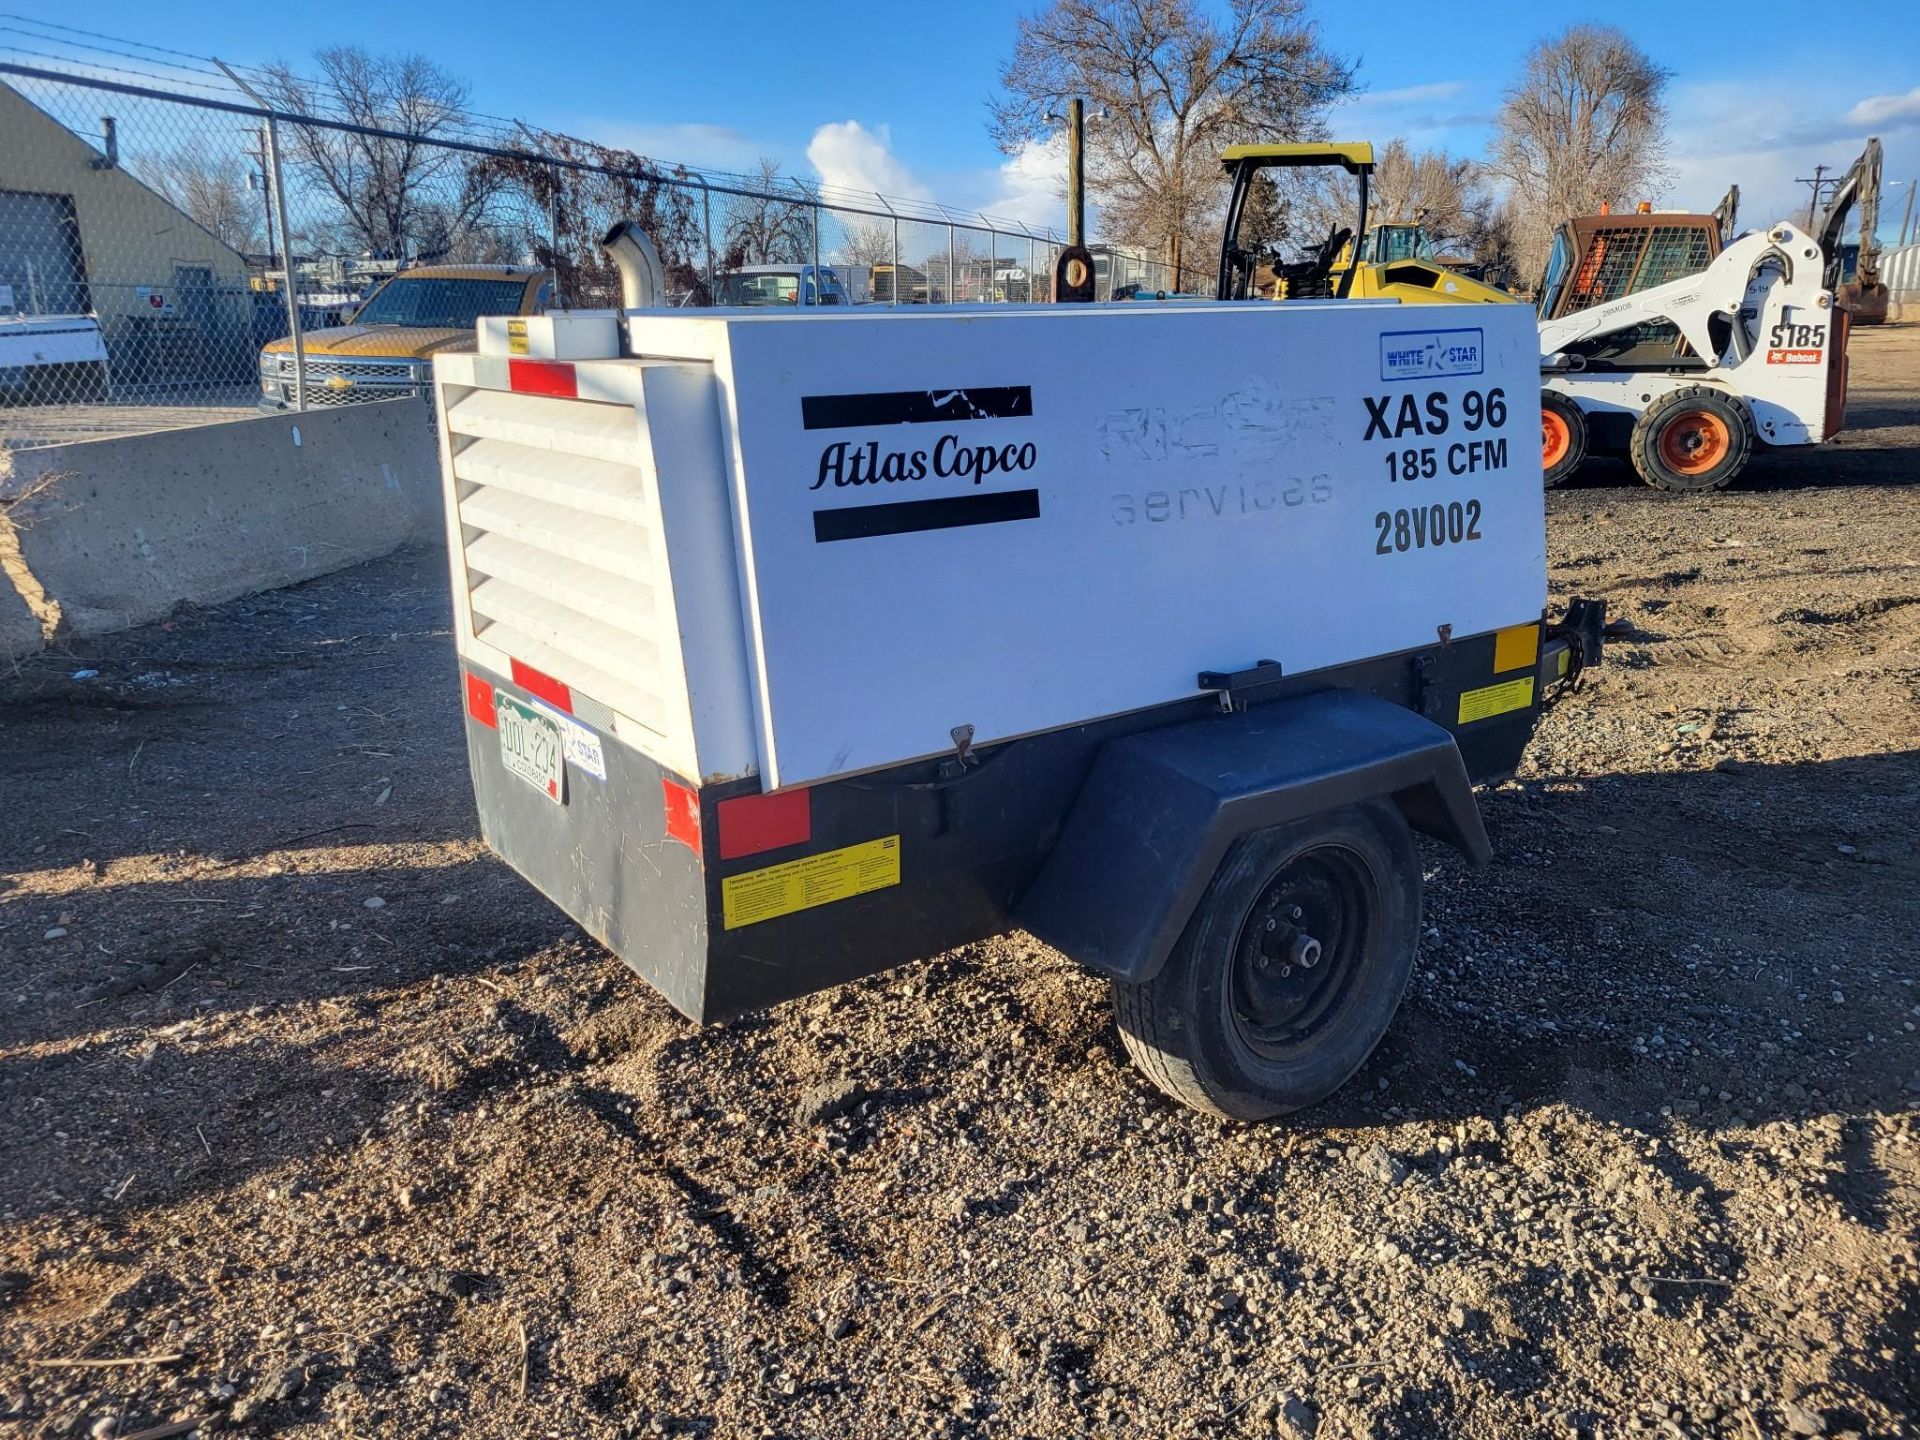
[1299, 949]
[1694, 441]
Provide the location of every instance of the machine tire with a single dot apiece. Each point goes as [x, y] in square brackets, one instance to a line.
[1189, 1028]
[1692, 440]
[1563, 437]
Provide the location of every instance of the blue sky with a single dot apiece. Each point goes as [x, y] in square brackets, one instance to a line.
[900, 103]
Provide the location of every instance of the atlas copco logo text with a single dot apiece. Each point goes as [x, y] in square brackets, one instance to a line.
[958, 454]
[843, 463]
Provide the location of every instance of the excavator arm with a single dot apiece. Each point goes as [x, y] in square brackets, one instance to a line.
[1863, 297]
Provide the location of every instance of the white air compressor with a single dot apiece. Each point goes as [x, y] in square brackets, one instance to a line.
[798, 646]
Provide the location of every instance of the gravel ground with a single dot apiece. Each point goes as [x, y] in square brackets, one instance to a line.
[315, 1119]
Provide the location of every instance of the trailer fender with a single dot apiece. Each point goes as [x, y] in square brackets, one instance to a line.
[1160, 808]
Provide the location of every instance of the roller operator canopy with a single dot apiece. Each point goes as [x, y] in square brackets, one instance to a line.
[1354, 156]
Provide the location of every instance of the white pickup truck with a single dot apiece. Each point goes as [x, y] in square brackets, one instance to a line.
[48, 359]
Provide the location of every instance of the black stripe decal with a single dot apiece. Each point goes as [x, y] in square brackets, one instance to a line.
[903, 517]
[915, 407]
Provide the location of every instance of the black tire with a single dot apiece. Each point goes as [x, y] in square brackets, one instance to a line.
[1692, 440]
[1219, 1029]
[1556, 407]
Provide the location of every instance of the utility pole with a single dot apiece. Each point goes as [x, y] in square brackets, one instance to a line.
[266, 194]
[1912, 185]
[1818, 180]
[1076, 172]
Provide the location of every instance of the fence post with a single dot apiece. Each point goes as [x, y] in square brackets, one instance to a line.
[288, 268]
[819, 290]
[953, 291]
[553, 236]
[706, 227]
[993, 255]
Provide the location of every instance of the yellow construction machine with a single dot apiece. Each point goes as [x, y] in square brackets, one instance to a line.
[1328, 271]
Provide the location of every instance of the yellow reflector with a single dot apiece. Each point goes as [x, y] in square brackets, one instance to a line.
[1515, 648]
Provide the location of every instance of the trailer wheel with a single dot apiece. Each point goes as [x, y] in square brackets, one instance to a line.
[1692, 440]
[1289, 971]
[1563, 437]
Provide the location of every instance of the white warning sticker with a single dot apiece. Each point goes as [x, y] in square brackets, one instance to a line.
[582, 745]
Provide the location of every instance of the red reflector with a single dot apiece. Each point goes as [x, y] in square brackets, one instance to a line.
[542, 377]
[480, 701]
[535, 682]
[683, 813]
[752, 823]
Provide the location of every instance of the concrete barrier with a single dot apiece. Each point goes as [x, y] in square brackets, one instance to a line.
[106, 534]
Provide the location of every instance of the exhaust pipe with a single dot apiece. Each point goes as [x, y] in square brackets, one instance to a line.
[642, 280]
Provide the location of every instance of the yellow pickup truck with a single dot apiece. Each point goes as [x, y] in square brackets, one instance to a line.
[386, 352]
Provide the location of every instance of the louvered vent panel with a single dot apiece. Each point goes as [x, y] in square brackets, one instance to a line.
[559, 546]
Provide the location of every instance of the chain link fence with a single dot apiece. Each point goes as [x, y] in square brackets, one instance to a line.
[182, 245]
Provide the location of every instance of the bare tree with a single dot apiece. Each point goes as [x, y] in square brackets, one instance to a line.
[567, 207]
[1170, 83]
[1584, 125]
[210, 188]
[771, 227]
[1430, 188]
[867, 244]
[400, 195]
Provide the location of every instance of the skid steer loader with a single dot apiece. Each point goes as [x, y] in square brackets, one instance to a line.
[1659, 339]
[1688, 377]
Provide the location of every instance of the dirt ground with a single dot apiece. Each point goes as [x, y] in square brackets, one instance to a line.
[300, 1087]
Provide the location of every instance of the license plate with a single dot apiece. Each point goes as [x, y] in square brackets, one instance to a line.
[531, 747]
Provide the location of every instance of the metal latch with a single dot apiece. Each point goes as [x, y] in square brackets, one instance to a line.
[1234, 686]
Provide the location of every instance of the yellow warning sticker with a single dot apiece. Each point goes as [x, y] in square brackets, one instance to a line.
[1496, 700]
[814, 880]
[1515, 647]
[516, 337]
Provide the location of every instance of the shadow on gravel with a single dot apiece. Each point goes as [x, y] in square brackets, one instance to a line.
[224, 729]
[1693, 949]
[171, 1123]
[199, 948]
[1888, 1366]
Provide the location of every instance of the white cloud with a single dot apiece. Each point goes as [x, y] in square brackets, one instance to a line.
[848, 156]
[1725, 134]
[1886, 110]
[1405, 95]
[1030, 185]
[1440, 114]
